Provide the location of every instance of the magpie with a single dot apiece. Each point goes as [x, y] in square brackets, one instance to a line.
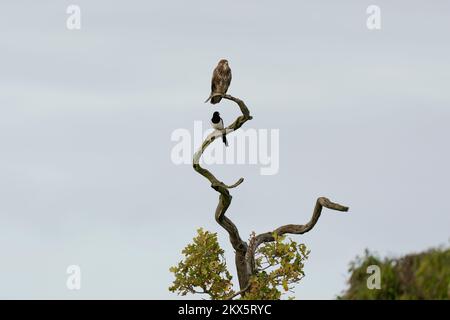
[217, 123]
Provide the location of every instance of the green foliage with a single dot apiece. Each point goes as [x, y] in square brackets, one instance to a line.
[417, 276]
[279, 263]
[203, 269]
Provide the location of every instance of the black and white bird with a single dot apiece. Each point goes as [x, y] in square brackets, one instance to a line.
[217, 123]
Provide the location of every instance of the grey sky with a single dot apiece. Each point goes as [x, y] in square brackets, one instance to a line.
[86, 117]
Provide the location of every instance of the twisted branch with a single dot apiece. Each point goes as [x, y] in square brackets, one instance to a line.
[219, 186]
[256, 241]
[245, 253]
[225, 198]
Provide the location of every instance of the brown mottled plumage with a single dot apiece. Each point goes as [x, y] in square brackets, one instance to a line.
[220, 81]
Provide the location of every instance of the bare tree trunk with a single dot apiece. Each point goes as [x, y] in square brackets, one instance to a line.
[245, 253]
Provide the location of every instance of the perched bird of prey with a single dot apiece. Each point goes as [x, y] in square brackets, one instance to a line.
[220, 81]
[217, 123]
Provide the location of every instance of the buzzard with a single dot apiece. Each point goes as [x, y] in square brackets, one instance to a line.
[220, 82]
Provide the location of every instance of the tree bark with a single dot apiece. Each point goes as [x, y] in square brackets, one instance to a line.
[245, 252]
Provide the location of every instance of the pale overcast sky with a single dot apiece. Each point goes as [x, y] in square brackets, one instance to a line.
[86, 176]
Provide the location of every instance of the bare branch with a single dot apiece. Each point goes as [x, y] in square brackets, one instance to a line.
[321, 202]
[219, 186]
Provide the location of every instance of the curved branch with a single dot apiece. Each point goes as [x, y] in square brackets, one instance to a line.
[219, 186]
[225, 198]
[256, 241]
[232, 127]
[299, 228]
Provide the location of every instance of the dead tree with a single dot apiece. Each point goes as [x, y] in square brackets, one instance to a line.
[245, 252]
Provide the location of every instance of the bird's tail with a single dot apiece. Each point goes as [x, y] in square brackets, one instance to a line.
[216, 99]
[224, 139]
